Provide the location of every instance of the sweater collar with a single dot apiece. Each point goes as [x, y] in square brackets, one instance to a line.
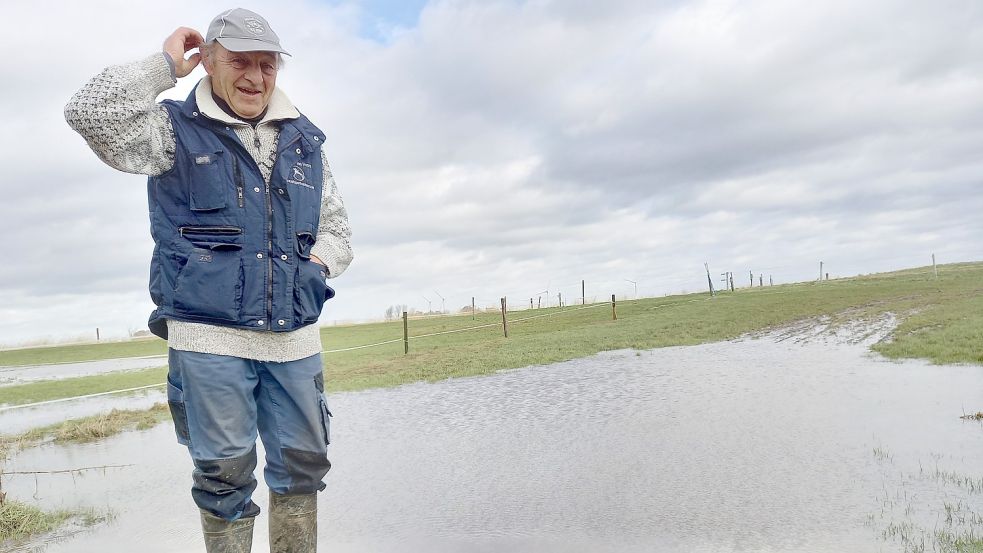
[280, 107]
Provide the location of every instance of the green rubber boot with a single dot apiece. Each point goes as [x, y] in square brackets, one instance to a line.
[222, 536]
[293, 523]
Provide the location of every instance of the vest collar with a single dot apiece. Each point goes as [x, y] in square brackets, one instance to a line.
[296, 131]
[279, 109]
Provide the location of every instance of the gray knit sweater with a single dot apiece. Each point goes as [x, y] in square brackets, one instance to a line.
[117, 114]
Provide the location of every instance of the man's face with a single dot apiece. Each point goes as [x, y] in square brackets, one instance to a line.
[245, 80]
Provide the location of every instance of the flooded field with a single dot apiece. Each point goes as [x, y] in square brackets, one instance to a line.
[16, 419]
[56, 371]
[757, 445]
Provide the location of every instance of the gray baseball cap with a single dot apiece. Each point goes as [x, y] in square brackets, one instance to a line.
[240, 30]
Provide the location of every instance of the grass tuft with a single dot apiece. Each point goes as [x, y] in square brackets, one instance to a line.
[20, 520]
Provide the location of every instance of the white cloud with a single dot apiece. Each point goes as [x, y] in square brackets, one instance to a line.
[500, 147]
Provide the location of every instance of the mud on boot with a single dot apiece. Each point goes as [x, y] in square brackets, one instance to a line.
[293, 523]
[222, 536]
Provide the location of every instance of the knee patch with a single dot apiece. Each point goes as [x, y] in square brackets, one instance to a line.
[224, 486]
[306, 469]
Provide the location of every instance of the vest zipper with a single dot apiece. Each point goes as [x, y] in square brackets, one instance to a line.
[239, 185]
[210, 230]
[269, 234]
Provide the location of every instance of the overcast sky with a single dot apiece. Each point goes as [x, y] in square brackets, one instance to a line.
[493, 147]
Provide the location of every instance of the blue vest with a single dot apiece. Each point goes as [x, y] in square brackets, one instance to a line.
[231, 250]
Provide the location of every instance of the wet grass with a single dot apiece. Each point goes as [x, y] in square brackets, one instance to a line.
[941, 320]
[943, 517]
[86, 429]
[20, 520]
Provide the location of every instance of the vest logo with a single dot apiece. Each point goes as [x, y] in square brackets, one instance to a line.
[254, 26]
[203, 159]
[298, 175]
[205, 258]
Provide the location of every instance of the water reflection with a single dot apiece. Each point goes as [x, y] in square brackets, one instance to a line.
[741, 446]
[19, 419]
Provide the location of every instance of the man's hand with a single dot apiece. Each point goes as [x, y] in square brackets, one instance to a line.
[179, 43]
[317, 260]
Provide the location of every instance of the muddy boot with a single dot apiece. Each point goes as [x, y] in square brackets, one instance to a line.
[222, 536]
[293, 523]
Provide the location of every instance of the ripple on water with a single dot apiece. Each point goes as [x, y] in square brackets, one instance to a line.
[738, 446]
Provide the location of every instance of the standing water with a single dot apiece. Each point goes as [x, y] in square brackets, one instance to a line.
[756, 445]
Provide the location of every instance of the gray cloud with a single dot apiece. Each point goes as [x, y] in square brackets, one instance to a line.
[503, 148]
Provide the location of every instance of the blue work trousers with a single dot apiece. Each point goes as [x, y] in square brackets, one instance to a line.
[219, 403]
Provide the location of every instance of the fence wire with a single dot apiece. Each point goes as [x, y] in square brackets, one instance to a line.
[339, 350]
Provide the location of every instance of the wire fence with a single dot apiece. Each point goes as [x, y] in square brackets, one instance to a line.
[327, 351]
[406, 339]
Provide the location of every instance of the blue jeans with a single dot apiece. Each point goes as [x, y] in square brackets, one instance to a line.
[218, 404]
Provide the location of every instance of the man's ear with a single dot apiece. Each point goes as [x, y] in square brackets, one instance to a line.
[206, 62]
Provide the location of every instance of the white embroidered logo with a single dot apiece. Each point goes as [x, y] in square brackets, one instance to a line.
[254, 26]
[203, 160]
[298, 174]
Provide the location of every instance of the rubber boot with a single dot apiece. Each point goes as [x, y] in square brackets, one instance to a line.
[222, 536]
[293, 523]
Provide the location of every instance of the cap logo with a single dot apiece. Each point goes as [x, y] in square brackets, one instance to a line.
[254, 26]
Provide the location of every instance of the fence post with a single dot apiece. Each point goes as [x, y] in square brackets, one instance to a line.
[935, 267]
[530, 303]
[406, 335]
[97, 334]
[505, 326]
[472, 308]
[583, 293]
[614, 309]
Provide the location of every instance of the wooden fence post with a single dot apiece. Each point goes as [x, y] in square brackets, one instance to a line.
[583, 293]
[406, 335]
[505, 326]
[472, 308]
[614, 309]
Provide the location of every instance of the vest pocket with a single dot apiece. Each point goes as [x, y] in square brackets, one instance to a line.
[208, 181]
[209, 286]
[310, 287]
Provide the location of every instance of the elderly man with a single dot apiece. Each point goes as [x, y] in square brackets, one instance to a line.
[247, 224]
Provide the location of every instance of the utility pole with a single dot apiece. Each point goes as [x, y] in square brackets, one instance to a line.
[635, 284]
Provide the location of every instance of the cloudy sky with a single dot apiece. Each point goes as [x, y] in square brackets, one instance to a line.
[504, 147]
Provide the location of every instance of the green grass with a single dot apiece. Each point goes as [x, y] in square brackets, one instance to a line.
[82, 352]
[79, 386]
[20, 520]
[85, 429]
[942, 321]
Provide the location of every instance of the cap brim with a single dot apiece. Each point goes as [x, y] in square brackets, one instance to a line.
[249, 45]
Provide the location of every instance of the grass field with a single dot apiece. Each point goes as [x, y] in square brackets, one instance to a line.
[941, 320]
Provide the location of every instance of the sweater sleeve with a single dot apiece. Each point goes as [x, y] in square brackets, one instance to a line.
[117, 114]
[333, 244]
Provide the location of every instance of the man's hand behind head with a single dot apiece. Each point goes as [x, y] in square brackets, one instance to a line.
[179, 43]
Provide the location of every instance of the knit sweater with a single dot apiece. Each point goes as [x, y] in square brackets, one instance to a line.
[117, 114]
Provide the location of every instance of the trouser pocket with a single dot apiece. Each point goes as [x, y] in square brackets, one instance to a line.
[175, 402]
[325, 419]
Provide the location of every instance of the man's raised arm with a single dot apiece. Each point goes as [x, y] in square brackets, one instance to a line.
[117, 114]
